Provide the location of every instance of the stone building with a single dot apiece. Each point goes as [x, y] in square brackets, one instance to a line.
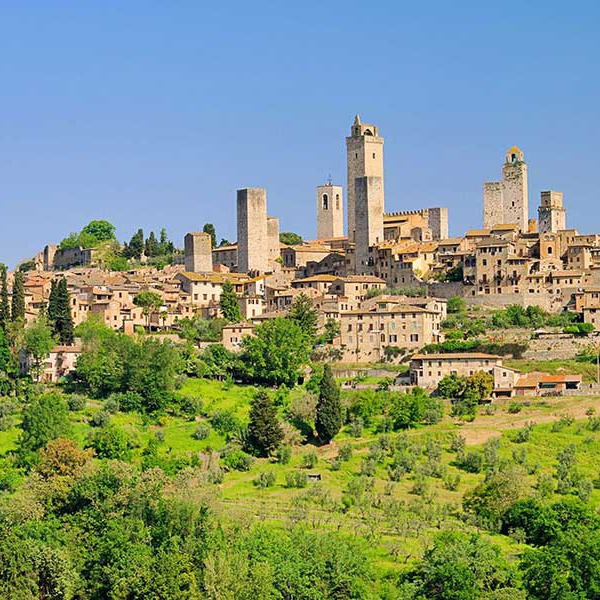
[273, 239]
[507, 201]
[252, 230]
[369, 208]
[551, 213]
[330, 211]
[364, 149]
[198, 252]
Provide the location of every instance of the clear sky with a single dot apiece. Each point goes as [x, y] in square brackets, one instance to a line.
[152, 113]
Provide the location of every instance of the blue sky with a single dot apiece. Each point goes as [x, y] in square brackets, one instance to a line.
[153, 113]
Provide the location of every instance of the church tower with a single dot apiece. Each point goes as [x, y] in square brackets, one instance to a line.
[552, 215]
[330, 211]
[365, 159]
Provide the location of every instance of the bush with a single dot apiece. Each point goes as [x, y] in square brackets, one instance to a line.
[309, 460]
[238, 460]
[514, 408]
[284, 455]
[296, 479]
[345, 452]
[128, 401]
[524, 434]
[265, 479]
[472, 462]
[100, 419]
[225, 422]
[112, 405]
[355, 428]
[201, 432]
[76, 402]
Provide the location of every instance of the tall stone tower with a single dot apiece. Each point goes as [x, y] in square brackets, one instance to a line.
[252, 236]
[369, 219]
[507, 201]
[198, 252]
[330, 211]
[365, 159]
[551, 213]
[273, 237]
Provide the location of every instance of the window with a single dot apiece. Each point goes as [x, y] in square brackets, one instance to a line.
[337, 201]
[325, 202]
[373, 154]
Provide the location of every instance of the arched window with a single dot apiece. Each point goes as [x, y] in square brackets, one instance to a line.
[549, 249]
[337, 201]
[325, 202]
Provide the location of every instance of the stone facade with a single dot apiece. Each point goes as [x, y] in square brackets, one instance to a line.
[273, 237]
[506, 201]
[330, 211]
[368, 193]
[552, 215]
[198, 252]
[252, 238]
[364, 159]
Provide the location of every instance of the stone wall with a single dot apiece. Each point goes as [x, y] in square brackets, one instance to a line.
[198, 252]
[252, 238]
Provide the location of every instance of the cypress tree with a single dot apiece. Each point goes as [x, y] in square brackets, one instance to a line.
[152, 245]
[328, 420]
[229, 305]
[4, 305]
[52, 308]
[264, 432]
[18, 298]
[64, 319]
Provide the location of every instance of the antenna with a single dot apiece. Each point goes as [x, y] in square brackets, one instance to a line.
[329, 179]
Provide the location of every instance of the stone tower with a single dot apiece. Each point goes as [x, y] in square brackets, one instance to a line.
[506, 202]
[551, 213]
[369, 220]
[252, 236]
[273, 237]
[330, 211]
[198, 252]
[364, 150]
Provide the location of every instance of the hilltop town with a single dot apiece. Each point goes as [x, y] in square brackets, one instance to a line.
[385, 283]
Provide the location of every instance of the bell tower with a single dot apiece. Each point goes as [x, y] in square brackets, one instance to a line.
[364, 149]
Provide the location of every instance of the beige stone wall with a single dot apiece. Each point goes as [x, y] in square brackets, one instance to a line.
[273, 237]
[428, 372]
[252, 238]
[515, 194]
[551, 213]
[198, 252]
[330, 211]
[492, 204]
[369, 219]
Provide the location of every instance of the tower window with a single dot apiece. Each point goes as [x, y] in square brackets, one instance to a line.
[325, 202]
[337, 201]
[549, 249]
[373, 154]
[513, 157]
[356, 155]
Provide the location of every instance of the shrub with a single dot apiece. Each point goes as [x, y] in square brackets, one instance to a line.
[100, 419]
[225, 422]
[355, 427]
[472, 462]
[345, 452]
[451, 482]
[112, 405]
[238, 460]
[76, 402]
[309, 460]
[284, 455]
[265, 479]
[524, 434]
[296, 479]
[514, 408]
[201, 432]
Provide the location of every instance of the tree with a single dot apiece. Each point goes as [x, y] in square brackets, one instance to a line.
[110, 442]
[456, 304]
[152, 248]
[264, 432]
[62, 456]
[5, 355]
[328, 420]
[331, 330]
[18, 298]
[100, 230]
[135, 248]
[38, 342]
[290, 238]
[210, 229]
[275, 353]
[59, 312]
[46, 418]
[150, 302]
[228, 304]
[4, 304]
[303, 312]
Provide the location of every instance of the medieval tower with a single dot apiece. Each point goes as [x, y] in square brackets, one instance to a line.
[369, 220]
[330, 211]
[506, 202]
[198, 252]
[365, 159]
[551, 213]
[252, 234]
